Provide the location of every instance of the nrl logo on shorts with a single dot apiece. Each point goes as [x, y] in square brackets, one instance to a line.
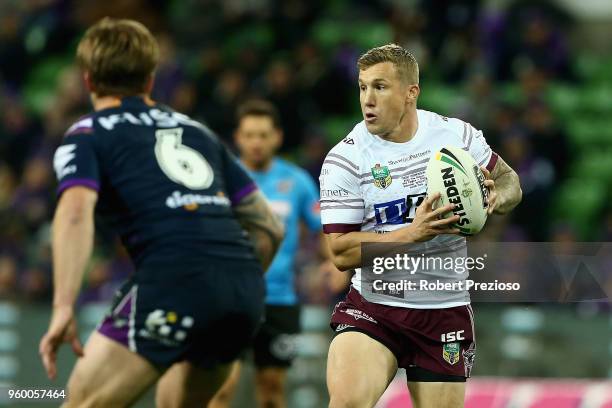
[450, 352]
[382, 176]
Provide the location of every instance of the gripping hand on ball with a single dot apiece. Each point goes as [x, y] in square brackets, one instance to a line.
[428, 222]
[490, 184]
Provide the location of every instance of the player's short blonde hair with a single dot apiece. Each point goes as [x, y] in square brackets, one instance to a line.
[405, 63]
[120, 56]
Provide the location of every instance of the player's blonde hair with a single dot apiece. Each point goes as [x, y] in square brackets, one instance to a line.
[405, 63]
[120, 56]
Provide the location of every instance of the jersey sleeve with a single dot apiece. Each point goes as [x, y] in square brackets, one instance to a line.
[342, 206]
[309, 203]
[239, 183]
[76, 162]
[475, 143]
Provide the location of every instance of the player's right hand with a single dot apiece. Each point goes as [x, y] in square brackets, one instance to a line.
[62, 329]
[427, 222]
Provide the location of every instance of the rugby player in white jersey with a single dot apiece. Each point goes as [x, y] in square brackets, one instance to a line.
[373, 189]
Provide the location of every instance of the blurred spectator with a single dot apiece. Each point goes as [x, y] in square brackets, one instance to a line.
[7, 186]
[19, 133]
[547, 138]
[228, 93]
[537, 177]
[36, 284]
[279, 87]
[8, 277]
[32, 199]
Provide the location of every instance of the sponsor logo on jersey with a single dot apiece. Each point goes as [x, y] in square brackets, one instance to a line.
[64, 155]
[328, 193]
[391, 212]
[284, 186]
[191, 202]
[382, 176]
[358, 314]
[410, 157]
[348, 140]
[450, 353]
[400, 211]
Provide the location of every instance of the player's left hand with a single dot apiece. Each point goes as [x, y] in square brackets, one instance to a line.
[490, 184]
[62, 329]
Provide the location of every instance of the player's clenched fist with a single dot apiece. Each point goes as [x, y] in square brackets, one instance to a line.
[428, 223]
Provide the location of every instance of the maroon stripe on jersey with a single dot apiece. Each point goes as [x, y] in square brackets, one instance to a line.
[492, 161]
[341, 228]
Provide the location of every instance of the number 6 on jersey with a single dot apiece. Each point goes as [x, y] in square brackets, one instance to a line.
[181, 163]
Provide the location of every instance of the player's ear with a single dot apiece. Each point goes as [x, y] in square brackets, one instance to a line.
[88, 83]
[235, 137]
[279, 137]
[413, 93]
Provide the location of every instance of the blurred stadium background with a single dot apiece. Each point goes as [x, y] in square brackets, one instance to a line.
[536, 76]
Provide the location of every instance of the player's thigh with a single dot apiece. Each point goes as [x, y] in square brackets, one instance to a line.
[108, 375]
[437, 394]
[186, 385]
[359, 369]
[225, 394]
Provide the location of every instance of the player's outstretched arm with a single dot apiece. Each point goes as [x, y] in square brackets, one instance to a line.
[72, 243]
[264, 228]
[504, 188]
[346, 247]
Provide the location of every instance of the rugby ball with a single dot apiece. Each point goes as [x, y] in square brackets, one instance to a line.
[453, 173]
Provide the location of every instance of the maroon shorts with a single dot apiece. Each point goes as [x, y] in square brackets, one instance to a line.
[430, 341]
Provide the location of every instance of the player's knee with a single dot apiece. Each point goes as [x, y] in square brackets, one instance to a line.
[346, 395]
[347, 400]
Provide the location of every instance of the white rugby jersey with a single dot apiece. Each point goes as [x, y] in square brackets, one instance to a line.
[371, 184]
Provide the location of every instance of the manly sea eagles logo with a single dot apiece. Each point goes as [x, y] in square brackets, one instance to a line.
[382, 176]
